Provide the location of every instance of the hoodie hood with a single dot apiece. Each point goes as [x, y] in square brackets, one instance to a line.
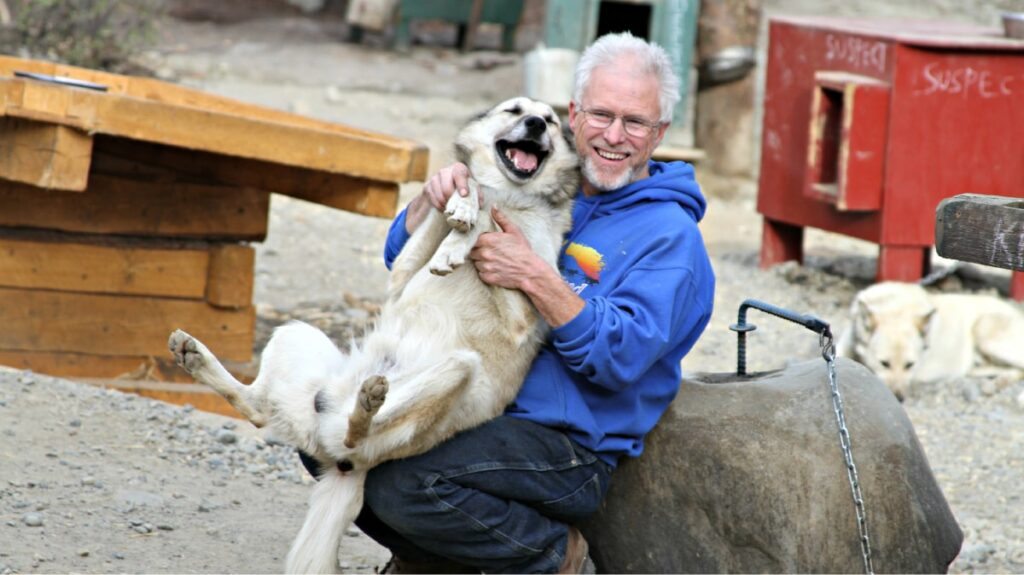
[667, 182]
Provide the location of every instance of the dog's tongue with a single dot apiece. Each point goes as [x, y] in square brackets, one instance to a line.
[524, 161]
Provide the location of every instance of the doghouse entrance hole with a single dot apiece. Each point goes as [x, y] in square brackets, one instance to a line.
[830, 140]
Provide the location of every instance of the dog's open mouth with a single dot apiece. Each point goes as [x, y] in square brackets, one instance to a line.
[523, 158]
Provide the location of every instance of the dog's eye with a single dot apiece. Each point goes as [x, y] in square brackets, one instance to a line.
[516, 110]
[549, 119]
[908, 365]
[885, 363]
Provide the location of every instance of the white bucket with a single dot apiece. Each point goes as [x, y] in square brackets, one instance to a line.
[548, 75]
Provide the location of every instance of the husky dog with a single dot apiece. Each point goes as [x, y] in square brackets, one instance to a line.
[447, 353]
[906, 335]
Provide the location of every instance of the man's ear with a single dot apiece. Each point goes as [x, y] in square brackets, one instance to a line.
[662, 128]
[569, 126]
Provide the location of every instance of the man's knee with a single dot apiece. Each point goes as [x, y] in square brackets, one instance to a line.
[393, 489]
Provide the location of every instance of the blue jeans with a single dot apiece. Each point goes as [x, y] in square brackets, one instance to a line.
[498, 497]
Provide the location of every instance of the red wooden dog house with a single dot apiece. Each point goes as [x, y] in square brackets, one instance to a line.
[868, 125]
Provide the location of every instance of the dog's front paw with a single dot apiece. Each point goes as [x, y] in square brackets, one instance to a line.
[461, 212]
[188, 351]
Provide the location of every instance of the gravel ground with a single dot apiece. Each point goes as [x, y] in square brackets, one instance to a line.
[94, 481]
[97, 481]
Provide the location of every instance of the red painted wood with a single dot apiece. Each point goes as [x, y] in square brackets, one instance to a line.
[935, 110]
[781, 242]
[1017, 286]
[902, 263]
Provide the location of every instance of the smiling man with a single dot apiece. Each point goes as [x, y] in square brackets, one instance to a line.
[615, 153]
[632, 294]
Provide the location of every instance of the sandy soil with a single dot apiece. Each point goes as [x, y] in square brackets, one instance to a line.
[95, 481]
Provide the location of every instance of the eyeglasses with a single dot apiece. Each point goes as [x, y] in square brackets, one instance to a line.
[634, 126]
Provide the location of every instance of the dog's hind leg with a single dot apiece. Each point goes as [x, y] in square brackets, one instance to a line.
[204, 367]
[371, 397]
[333, 506]
[419, 412]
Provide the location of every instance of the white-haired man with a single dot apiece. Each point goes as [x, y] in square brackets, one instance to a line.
[632, 294]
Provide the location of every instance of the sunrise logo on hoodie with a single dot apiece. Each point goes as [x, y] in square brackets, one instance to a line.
[588, 260]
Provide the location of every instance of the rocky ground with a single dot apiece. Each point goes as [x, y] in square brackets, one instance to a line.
[94, 481]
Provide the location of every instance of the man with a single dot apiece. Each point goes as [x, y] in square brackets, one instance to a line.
[633, 292]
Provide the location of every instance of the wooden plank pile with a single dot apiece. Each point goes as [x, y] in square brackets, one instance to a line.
[127, 209]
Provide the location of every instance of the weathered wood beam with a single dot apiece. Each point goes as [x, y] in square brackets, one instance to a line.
[129, 369]
[981, 229]
[220, 273]
[37, 320]
[197, 395]
[234, 134]
[48, 156]
[114, 205]
[153, 162]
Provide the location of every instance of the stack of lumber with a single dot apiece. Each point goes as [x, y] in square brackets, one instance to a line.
[127, 210]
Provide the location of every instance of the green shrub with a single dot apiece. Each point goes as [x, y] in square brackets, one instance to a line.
[99, 34]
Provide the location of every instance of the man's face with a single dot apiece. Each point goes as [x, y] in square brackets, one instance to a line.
[611, 157]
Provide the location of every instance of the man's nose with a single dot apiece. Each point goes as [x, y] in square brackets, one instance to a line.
[615, 133]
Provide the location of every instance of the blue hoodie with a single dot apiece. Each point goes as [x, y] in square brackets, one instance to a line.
[637, 259]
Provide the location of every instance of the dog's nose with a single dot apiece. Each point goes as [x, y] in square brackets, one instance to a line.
[535, 126]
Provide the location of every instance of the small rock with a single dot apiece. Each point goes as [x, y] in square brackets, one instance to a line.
[226, 436]
[32, 519]
[83, 552]
[971, 392]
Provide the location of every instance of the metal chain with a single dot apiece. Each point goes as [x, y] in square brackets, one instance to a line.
[828, 351]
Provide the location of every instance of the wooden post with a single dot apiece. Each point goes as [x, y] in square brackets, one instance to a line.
[986, 230]
[469, 39]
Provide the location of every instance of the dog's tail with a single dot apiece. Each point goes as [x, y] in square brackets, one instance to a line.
[333, 506]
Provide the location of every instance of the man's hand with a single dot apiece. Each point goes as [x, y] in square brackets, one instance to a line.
[440, 187]
[504, 258]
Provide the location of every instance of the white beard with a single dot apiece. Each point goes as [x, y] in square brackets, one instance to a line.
[591, 174]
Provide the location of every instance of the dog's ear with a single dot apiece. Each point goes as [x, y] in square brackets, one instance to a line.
[862, 311]
[923, 322]
[570, 138]
[476, 117]
[462, 153]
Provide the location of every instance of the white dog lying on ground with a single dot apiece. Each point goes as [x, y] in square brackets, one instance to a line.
[448, 351]
[907, 336]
